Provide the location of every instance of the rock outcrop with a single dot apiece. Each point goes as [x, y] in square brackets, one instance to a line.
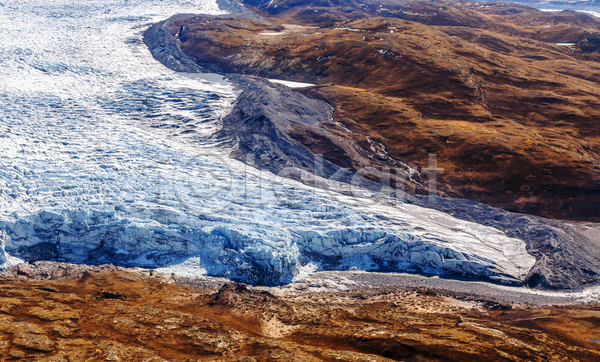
[159, 41]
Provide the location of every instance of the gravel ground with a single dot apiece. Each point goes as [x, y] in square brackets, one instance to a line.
[519, 295]
[330, 281]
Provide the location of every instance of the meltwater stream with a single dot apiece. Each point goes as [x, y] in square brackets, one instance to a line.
[104, 158]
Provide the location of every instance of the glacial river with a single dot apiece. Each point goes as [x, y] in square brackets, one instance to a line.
[104, 157]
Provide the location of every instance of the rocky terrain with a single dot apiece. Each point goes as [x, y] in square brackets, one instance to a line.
[105, 314]
[505, 95]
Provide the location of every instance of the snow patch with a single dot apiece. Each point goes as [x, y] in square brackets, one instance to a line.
[291, 84]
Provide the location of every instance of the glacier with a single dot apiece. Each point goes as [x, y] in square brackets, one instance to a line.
[105, 157]
[268, 239]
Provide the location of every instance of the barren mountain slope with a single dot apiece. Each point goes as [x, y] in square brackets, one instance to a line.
[512, 116]
[123, 316]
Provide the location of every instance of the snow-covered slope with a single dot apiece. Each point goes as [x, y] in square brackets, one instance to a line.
[103, 158]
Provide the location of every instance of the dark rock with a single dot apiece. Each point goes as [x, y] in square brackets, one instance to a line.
[496, 305]
[262, 120]
[105, 294]
[235, 294]
[165, 49]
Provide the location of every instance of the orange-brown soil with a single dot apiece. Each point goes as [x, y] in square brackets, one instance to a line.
[512, 116]
[124, 316]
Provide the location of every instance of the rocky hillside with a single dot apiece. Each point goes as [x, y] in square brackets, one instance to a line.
[116, 315]
[506, 96]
